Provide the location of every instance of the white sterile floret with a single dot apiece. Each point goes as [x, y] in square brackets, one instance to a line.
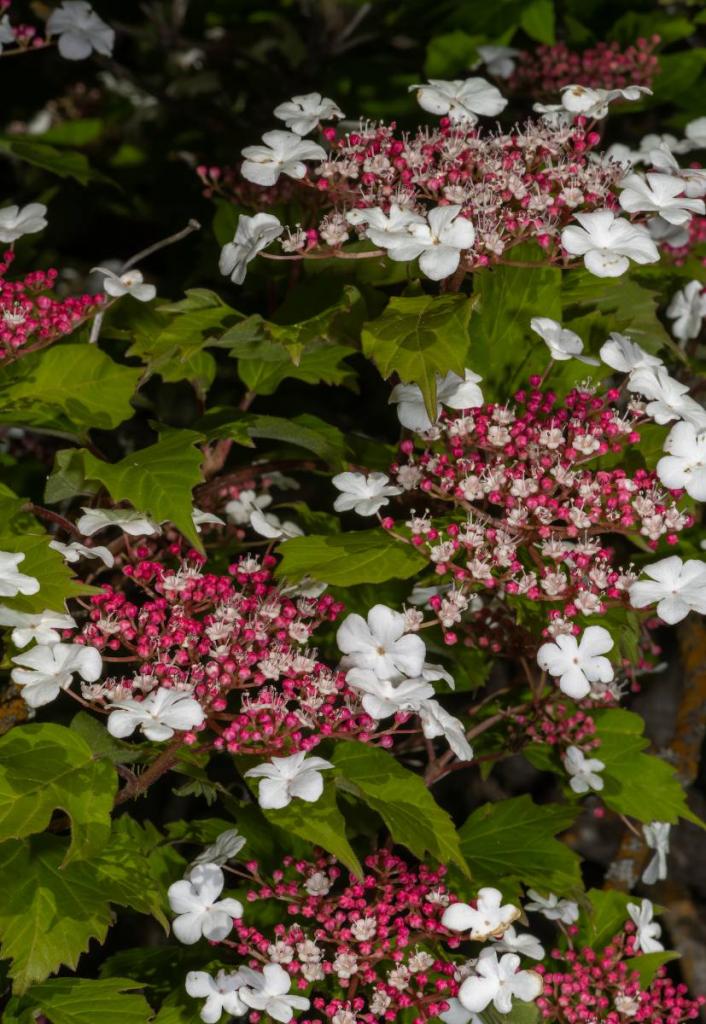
[684, 465]
[553, 908]
[647, 931]
[74, 552]
[607, 243]
[268, 992]
[41, 626]
[131, 282]
[282, 153]
[439, 242]
[269, 525]
[436, 721]
[659, 193]
[200, 912]
[241, 508]
[131, 522]
[461, 100]
[676, 587]
[693, 178]
[201, 518]
[695, 132]
[657, 838]
[363, 494]
[158, 716]
[524, 943]
[687, 310]
[578, 664]
[45, 670]
[625, 355]
[668, 399]
[13, 582]
[7, 32]
[220, 993]
[381, 644]
[498, 981]
[583, 771]
[286, 778]
[458, 1014]
[499, 60]
[386, 230]
[562, 343]
[16, 222]
[489, 917]
[451, 390]
[301, 114]
[252, 235]
[225, 847]
[385, 697]
[80, 31]
[580, 99]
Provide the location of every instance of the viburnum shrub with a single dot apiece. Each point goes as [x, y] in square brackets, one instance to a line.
[335, 586]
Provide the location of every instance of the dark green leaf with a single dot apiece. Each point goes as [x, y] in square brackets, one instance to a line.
[367, 556]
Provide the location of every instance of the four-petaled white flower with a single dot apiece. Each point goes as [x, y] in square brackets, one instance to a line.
[647, 931]
[583, 771]
[226, 846]
[451, 390]
[687, 309]
[524, 943]
[301, 114]
[608, 243]
[131, 282]
[284, 778]
[158, 716]
[676, 587]
[498, 982]
[45, 670]
[80, 31]
[13, 582]
[461, 100]
[41, 627]
[220, 993]
[489, 917]
[269, 525]
[562, 343]
[388, 230]
[363, 494]
[16, 222]
[200, 912]
[282, 153]
[580, 99]
[684, 465]
[498, 60]
[439, 242]
[200, 518]
[385, 697]
[252, 235]
[659, 193]
[74, 552]
[657, 838]
[625, 355]
[553, 908]
[268, 992]
[381, 644]
[436, 721]
[668, 399]
[130, 521]
[578, 664]
[458, 1014]
[241, 508]
[695, 132]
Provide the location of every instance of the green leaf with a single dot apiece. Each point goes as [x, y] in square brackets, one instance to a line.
[45, 767]
[648, 964]
[57, 583]
[537, 19]
[451, 53]
[605, 917]
[304, 431]
[419, 338]
[81, 1001]
[102, 744]
[320, 823]
[515, 839]
[65, 163]
[401, 799]
[366, 556]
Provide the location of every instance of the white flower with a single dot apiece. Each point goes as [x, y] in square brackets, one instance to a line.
[252, 235]
[451, 390]
[436, 721]
[439, 243]
[460, 100]
[380, 644]
[578, 664]
[583, 770]
[74, 552]
[647, 931]
[562, 343]
[677, 587]
[554, 114]
[623, 354]
[498, 982]
[498, 59]
[684, 466]
[668, 398]
[269, 525]
[364, 494]
[80, 31]
[580, 99]
[388, 230]
[201, 518]
[657, 838]
[134, 523]
[490, 917]
[227, 845]
[16, 222]
[552, 907]
[241, 508]
[458, 1014]
[7, 32]
[301, 114]
[695, 132]
[47, 669]
[130, 283]
[659, 193]
[523, 943]
[41, 627]
[267, 992]
[384, 697]
[220, 993]
[158, 716]
[608, 243]
[693, 178]
[282, 153]
[287, 777]
[13, 582]
[687, 309]
[194, 900]
[661, 231]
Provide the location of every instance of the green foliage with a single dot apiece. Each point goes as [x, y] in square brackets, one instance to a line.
[604, 918]
[320, 823]
[81, 1001]
[345, 559]
[538, 21]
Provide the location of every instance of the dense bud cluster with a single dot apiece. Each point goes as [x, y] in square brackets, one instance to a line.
[544, 71]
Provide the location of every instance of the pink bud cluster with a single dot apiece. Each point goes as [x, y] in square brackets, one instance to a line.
[543, 71]
[557, 725]
[29, 315]
[25, 36]
[697, 237]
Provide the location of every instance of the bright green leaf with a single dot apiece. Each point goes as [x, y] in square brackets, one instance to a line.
[344, 559]
[81, 1001]
[537, 19]
[320, 823]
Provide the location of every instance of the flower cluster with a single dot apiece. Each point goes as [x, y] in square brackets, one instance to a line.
[75, 27]
[544, 71]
